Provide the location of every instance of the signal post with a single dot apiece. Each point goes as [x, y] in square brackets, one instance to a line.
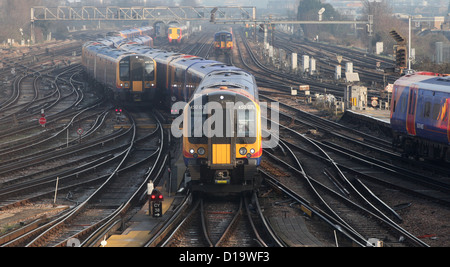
[155, 198]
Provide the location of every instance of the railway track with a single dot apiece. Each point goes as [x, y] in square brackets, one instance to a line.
[103, 199]
[337, 196]
[219, 222]
[97, 159]
[391, 161]
[361, 180]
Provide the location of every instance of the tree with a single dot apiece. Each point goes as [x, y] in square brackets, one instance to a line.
[383, 23]
[308, 10]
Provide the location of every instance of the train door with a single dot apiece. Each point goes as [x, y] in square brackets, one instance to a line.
[223, 41]
[221, 142]
[137, 67]
[412, 106]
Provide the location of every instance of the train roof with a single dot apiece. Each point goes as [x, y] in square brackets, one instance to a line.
[177, 26]
[220, 32]
[106, 51]
[230, 79]
[427, 81]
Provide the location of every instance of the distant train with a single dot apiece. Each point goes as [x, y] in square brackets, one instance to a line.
[223, 41]
[420, 115]
[177, 34]
[134, 32]
[128, 77]
[118, 41]
[142, 35]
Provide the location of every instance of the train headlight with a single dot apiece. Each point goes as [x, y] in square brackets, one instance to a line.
[252, 151]
[192, 151]
[242, 151]
[201, 151]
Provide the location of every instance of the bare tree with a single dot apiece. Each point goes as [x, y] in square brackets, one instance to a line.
[383, 23]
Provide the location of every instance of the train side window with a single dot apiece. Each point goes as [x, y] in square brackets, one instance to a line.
[427, 109]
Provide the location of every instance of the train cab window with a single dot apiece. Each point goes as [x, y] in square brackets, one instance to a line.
[179, 75]
[439, 112]
[149, 69]
[246, 124]
[197, 119]
[403, 105]
[444, 113]
[436, 110]
[124, 69]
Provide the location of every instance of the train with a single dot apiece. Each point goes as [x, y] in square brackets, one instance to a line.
[194, 92]
[177, 34]
[119, 41]
[420, 119]
[223, 41]
[143, 35]
[133, 32]
[128, 77]
[223, 157]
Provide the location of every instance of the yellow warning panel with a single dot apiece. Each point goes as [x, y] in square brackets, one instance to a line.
[221, 154]
[137, 86]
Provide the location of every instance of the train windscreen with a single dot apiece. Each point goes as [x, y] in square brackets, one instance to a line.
[124, 69]
[215, 117]
[149, 74]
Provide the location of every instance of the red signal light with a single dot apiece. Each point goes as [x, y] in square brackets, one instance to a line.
[156, 195]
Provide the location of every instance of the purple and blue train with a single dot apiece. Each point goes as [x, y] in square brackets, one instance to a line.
[420, 115]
